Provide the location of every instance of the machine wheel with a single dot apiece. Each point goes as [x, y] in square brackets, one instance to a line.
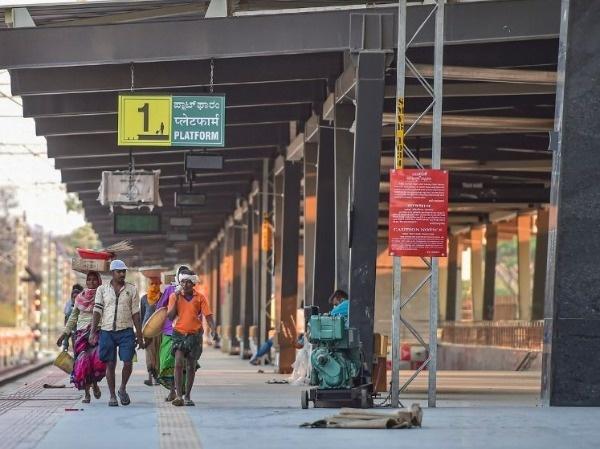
[364, 398]
[304, 399]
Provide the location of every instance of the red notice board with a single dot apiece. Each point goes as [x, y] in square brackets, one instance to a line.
[418, 221]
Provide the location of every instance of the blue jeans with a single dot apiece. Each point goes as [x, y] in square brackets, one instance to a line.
[109, 341]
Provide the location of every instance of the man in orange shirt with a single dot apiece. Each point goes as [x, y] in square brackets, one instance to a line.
[186, 309]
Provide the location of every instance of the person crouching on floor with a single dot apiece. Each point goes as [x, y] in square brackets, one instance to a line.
[186, 309]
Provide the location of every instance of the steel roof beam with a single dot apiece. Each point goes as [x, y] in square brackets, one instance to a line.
[175, 74]
[106, 144]
[107, 123]
[234, 185]
[237, 96]
[314, 32]
[157, 160]
[171, 171]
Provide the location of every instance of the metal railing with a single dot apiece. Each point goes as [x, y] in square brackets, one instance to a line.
[525, 335]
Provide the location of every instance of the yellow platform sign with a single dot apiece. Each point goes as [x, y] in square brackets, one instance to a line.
[144, 120]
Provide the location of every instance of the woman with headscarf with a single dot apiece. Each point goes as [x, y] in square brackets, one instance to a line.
[147, 308]
[88, 369]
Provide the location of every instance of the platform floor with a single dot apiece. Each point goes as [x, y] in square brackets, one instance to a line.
[236, 408]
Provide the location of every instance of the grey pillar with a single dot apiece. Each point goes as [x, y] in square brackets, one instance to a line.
[524, 265]
[287, 234]
[489, 286]
[454, 279]
[370, 83]
[238, 286]
[311, 152]
[216, 290]
[344, 157]
[477, 272]
[226, 287]
[247, 303]
[539, 271]
[266, 274]
[570, 373]
[324, 252]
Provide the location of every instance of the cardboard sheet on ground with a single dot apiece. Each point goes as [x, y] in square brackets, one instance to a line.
[354, 418]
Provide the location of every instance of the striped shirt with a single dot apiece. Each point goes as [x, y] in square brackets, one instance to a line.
[116, 311]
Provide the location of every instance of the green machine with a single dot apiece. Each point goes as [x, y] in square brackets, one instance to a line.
[337, 368]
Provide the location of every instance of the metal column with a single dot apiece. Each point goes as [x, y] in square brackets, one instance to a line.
[454, 279]
[247, 299]
[266, 272]
[216, 290]
[435, 91]
[370, 83]
[539, 273]
[238, 286]
[489, 279]
[344, 144]
[324, 252]
[524, 266]
[477, 272]
[287, 231]
[311, 151]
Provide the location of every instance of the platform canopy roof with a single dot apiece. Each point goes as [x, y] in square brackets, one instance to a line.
[278, 70]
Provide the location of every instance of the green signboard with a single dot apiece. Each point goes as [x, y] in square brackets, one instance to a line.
[165, 120]
[198, 121]
[132, 223]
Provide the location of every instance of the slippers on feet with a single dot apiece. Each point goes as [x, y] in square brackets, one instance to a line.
[124, 397]
[177, 402]
[189, 403]
[148, 382]
[113, 403]
[86, 400]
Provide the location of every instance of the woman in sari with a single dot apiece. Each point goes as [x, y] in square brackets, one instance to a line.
[148, 304]
[88, 369]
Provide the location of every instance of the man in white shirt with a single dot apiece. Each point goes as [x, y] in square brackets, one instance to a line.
[116, 313]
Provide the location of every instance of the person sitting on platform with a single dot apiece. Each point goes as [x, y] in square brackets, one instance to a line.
[264, 351]
[339, 303]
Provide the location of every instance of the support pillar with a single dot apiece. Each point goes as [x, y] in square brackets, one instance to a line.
[572, 332]
[370, 83]
[226, 287]
[453, 303]
[489, 279]
[247, 299]
[539, 272]
[311, 154]
[287, 234]
[477, 272]
[524, 259]
[237, 285]
[266, 274]
[324, 251]
[344, 157]
[216, 289]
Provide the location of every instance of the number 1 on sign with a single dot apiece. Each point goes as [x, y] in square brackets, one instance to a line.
[146, 111]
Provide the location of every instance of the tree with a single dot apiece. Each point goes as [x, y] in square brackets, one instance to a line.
[73, 203]
[82, 237]
[8, 202]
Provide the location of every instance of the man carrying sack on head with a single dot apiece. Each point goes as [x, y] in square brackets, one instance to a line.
[186, 308]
